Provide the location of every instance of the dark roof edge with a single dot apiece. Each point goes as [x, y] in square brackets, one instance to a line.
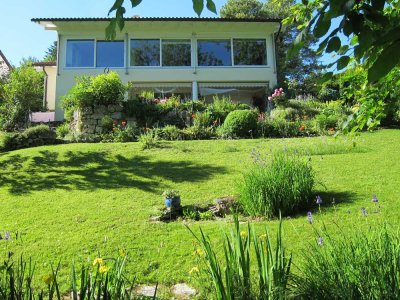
[6, 60]
[44, 64]
[159, 19]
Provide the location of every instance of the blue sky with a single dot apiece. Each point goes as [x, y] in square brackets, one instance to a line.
[19, 37]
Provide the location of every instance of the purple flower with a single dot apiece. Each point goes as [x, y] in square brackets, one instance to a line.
[374, 199]
[320, 241]
[7, 236]
[318, 200]
[309, 217]
[364, 211]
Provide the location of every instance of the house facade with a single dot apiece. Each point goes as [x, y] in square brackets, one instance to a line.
[192, 57]
[5, 66]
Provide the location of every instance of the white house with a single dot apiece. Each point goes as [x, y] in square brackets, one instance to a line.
[5, 66]
[192, 57]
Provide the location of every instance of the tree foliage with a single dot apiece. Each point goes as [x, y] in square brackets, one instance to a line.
[242, 9]
[120, 10]
[51, 53]
[23, 94]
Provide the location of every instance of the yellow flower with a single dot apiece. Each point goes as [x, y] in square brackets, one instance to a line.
[98, 261]
[194, 270]
[104, 269]
[355, 108]
[48, 279]
[122, 252]
[243, 234]
[199, 252]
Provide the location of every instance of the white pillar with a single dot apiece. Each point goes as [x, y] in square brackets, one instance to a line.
[195, 91]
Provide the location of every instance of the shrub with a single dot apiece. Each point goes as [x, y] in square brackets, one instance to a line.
[193, 106]
[363, 266]
[202, 119]
[62, 130]
[149, 139]
[283, 129]
[125, 134]
[221, 107]
[23, 94]
[241, 123]
[170, 132]
[288, 114]
[107, 124]
[232, 277]
[243, 106]
[281, 183]
[323, 122]
[104, 89]
[31, 137]
[197, 133]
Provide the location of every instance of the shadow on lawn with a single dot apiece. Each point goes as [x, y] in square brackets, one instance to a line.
[95, 170]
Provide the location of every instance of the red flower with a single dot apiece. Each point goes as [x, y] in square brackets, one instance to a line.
[302, 128]
[123, 123]
[115, 122]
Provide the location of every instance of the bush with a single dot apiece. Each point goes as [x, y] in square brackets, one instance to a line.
[279, 184]
[284, 129]
[241, 123]
[170, 132]
[89, 91]
[31, 137]
[62, 130]
[202, 119]
[197, 133]
[23, 94]
[125, 134]
[363, 266]
[323, 122]
[107, 124]
[288, 114]
[221, 107]
[149, 139]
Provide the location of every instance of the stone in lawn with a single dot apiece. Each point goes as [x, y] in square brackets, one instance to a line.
[183, 291]
[146, 290]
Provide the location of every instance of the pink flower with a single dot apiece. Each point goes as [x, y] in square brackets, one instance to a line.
[281, 89]
[269, 98]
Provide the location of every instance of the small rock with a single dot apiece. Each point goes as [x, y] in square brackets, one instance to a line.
[183, 290]
[146, 290]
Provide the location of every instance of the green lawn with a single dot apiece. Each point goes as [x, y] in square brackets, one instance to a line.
[75, 201]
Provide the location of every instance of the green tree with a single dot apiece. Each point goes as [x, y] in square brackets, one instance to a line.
[242, 9]
[51, 53]
[296, 68]
[372, 38]
[23, 94]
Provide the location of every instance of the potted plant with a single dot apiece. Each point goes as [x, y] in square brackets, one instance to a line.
[172, 198]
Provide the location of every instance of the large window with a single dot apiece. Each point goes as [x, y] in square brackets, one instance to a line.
[251, 52]
[176, 53]
[145, 52]
[214, 53]
[80, 53]
[110, 54]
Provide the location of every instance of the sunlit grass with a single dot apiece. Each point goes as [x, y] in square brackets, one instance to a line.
[76, 201]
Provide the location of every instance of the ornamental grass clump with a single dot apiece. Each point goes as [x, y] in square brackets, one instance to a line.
[282, 182]
[361, 266]
[235, 274]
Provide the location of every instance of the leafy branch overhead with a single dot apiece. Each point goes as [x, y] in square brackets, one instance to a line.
[120, 10]
[368, 30]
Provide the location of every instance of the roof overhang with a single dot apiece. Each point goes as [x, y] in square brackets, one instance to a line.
[51, 23]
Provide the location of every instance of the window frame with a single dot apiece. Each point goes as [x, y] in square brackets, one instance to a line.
[251, 66]
[124, 55]
[80, 40]
[214, 39]
[176, 39]
[145, 67]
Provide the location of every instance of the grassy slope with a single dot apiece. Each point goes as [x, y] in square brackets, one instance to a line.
[73, 201]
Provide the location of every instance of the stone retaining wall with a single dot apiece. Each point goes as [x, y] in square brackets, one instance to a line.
[88, 120]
